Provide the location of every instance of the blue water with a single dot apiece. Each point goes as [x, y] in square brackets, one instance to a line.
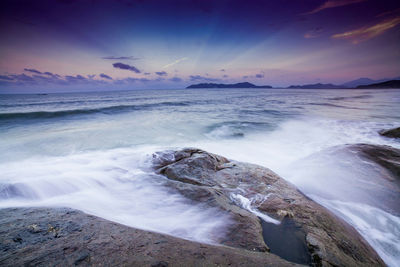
[91, 151]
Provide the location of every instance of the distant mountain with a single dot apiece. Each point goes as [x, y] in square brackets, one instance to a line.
[384, 85]
[366, 81]
[317, 86]
[222, 85]
[360, 81]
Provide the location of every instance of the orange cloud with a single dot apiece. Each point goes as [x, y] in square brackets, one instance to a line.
[366, 33]
[332, 4]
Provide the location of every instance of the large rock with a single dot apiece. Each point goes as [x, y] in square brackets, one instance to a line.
[393, 133]
[385, 156]
[381, 186]
[66, 237]
[249, 191]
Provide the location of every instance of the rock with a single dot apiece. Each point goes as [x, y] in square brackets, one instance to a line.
[392, 133]
[382, 184]
[247, 191]
[385, 156]
[86, 240]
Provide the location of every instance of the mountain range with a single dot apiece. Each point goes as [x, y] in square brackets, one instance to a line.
[361, 83]
[222, 85]
[383, 85]
[366, 81]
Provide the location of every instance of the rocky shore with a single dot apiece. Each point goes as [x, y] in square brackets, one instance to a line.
[272, 224]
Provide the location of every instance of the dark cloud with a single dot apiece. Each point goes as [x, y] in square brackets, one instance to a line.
[6, 77]
[22, 78]
[161, 73]
[175, 79]
[225, 76]
[147, 73]
[121, 58]
[51, 74]
[245, 77]
[222, 70]
[105, 76]
[33, 71]
[76, 79]
[259, 75]
[91, 76]
[195, 78]
[123, 66]
[42, 73]
[133, 80]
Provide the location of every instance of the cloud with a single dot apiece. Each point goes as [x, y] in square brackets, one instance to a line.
[313, 33]
[123, 66]
[222, 70]
[121, 58]
[390, 12]
[175, 62]
[51, 74]
[225, 76]
[147, 73]
[175, 79]
[33, 71]
[42, 73]
[22, 77]
[194, 78]
[132, 80]
[105, 76]
[6, 77]
[91, 76]
[365, 33]
[75, 79]
[333, 3]
[161, 73]
[260, 75]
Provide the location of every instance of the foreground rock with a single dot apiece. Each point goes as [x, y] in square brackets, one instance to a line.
[392, 133]
[66, 237]
[247, 191]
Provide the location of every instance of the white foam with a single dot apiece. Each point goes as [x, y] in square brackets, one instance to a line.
[115, 185]
[379, 228]
[247, 204]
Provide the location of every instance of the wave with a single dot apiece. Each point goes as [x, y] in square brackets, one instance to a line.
[234, 129]
[350, 97]
[332, 105]
[75, 112]
[269, 112]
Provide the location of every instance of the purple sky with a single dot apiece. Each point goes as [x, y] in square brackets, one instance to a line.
[69, 45]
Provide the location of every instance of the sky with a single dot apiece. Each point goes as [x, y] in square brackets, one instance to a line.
[81, 45]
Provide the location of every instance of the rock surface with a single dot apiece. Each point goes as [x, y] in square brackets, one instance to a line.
[385, 156]
[382, 184]
[66, 237]
[393, 133]
[247, 191]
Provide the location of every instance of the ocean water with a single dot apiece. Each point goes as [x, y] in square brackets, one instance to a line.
[92, 151]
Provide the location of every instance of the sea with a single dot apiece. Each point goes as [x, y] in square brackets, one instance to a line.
[92, 152]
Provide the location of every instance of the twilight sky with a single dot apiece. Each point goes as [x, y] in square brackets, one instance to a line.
[69, 45]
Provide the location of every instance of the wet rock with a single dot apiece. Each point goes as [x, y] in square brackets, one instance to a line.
[386, 156]
[92, 241]
[392, 133]
[382, 184]
[246, 191]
